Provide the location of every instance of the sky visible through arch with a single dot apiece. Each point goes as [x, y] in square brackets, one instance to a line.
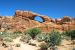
[51, 8]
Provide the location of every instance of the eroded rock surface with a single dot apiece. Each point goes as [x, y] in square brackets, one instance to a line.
[30, 15]
[23, 20]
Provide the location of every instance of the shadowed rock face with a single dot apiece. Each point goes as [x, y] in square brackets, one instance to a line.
[31, 15]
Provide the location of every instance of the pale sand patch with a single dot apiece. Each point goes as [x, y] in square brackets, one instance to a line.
[22, 47]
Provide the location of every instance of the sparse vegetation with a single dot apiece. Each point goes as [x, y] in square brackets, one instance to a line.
[54, 38]
[71, 35]
[8, 37]
[51, 39]
[43, 46]
[18, 45]
[25, 38]
[41, 37]
[33, 32]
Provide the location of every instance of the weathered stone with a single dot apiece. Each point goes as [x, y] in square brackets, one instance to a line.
[23, 20]
[31, 15]
[66, 19]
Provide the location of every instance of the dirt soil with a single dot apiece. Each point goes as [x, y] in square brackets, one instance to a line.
[66, 45]
[22, 47]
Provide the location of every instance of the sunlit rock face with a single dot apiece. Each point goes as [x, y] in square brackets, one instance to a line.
[23, 20]
[63, 20]
[30, 15]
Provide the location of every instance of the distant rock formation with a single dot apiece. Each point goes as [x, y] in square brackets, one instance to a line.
[63, 20]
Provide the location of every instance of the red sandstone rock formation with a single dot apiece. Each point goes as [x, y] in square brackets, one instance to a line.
[23, 20]
[30, 15]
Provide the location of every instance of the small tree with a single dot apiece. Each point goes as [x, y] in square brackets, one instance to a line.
[54, 38]
[33, 32]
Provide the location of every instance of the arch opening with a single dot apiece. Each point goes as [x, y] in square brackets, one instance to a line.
[39, 19]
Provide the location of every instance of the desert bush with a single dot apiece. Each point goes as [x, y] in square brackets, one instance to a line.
[33, 32]
[18, 45]
[70, 34]
[3, 34]
[43, 46]
[15, 35]
[7, 39]
[25, 38]
[41, 37]
[53, 38]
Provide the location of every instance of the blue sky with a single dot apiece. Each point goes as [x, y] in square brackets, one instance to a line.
[51, 8]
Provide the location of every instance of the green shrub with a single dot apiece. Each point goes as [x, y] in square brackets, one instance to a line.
[9, 36]
[33, 32]
[8, 39]
[70, 34]
[3, 34]
[15, 35]
[54, 38]
[41, 37]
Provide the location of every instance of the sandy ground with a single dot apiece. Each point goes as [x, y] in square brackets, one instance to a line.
[22, 47]
[64, 46]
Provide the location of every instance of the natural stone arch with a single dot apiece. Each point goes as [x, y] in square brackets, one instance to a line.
[30, 15]
[39, 19]
[44, 18]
